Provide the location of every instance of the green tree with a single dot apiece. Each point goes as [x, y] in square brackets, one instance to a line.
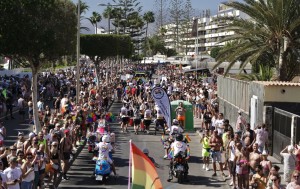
[215, 51]
[265, 73]
[270, 36]
[156, 45]
[83, 9]
[94, 19]
[176, 10]
[38, 31]
[149, 18]
[99, 47]
[107, 14]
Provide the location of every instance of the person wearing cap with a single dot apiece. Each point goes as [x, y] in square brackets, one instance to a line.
[146, 152]
[265, 163]
[13, 174]
[28, 142]
[20, 142]
[289, 162]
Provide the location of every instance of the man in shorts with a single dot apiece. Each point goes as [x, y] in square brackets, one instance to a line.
[216, 143]
[124, 117]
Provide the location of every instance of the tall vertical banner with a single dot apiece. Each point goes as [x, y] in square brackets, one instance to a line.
[163, 102]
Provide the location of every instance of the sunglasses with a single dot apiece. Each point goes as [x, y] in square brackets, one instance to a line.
[273, 180]
[296, 176]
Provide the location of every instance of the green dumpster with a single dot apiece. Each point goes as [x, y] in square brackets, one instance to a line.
[189, 117]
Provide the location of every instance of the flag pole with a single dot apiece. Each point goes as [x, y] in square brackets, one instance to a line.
[130, 165]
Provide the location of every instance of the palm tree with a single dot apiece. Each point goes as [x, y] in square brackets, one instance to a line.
[271, 35]
[149, 18]
[108, 15]
[83, 9]
[265, 74]
[94, 19]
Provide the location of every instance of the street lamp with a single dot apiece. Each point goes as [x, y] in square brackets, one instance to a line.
[108, 5]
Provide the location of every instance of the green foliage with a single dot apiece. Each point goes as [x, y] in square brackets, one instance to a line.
[171, 52]
[102, 46]
[265, 74]
[94, 19]
[37, 29]
[215, 51]
[273, 23]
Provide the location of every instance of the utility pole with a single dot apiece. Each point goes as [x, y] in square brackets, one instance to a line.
[78, 54]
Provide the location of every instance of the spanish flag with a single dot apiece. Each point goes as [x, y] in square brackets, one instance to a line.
[144, 175]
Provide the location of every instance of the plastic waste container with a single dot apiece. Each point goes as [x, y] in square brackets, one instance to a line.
[189, 116]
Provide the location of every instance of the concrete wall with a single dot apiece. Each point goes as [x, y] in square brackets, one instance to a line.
[276, 93]
[231, 112]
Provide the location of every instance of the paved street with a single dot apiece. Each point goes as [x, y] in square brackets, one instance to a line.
[81, 171]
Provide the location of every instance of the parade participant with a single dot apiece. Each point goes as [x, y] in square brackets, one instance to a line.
[240, 123]
[205, 149]
[54, 162]
[265, 163]
[136, 119]
[20, 142]
[275, 182]
[2, 132]
[242, 167]
[147, 118]
[216, 144]
[177, 147]
[66, 147]
[180, 113]
[160, 120]
[175, 128]
[124, 118]
[105, 148]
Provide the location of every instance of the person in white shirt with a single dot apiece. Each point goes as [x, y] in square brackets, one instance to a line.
[13, 174]
[105, 148]
[147, 118]
[177, 147]
[3, 176]
[40, 105]
[218, 124]
[21, 106]
[124, 117]
[175, 128]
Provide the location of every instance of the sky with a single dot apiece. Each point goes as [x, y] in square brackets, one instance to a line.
[148, 5]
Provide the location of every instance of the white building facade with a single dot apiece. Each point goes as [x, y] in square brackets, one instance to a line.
[211, 30]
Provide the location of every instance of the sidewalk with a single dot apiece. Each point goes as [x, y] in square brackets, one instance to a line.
[197, 127]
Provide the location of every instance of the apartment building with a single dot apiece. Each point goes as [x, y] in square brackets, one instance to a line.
[211, 30]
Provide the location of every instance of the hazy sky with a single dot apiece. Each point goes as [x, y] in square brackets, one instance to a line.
[149, 5]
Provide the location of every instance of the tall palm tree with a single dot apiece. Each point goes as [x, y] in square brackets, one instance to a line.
[94, 19]
[149, 18]
[83, 9]
[271, 35]
[107, 14]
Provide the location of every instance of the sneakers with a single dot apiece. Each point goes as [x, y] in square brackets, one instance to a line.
[215, 174]
[64, 177]
[166, 156]
[231, 183]
[207, 168]
[203, 167]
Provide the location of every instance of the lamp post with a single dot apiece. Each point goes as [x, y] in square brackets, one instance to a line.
[78, 54]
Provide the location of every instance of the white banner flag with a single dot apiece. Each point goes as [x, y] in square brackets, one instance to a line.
[162, 100]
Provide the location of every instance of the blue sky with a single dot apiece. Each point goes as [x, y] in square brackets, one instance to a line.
[149, 5]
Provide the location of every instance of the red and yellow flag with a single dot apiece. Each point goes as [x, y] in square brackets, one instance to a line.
[144, 175]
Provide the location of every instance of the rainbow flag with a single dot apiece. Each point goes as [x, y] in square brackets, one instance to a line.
[144, 175]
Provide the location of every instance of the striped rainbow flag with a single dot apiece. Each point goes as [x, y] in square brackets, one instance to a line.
[144, 175]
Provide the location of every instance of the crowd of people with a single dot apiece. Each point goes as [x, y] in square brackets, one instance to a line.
[66, 121]
[37, 160]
